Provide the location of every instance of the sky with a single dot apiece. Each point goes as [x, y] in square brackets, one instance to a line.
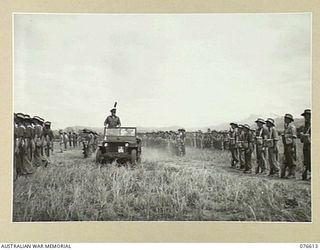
[180, 69]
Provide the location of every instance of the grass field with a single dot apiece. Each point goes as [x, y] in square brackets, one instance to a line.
[200, 186]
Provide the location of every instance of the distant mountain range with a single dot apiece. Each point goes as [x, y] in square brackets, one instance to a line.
[222, 126]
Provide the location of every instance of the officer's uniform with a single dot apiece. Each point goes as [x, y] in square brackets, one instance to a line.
[112, 121]
[289, 136]
[306, 140]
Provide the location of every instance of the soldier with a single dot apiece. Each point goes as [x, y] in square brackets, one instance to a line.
[74, 139]
[61, 140]
[273, 148]
[29, 144]
[306, 140]
[289, 136]
[38, 138]
[261, 136]
[19, 148]
[181, 141]
[65, 140]
[233, 133]
[240, 146]
[112, 121]
[70, 139]
[48, 137]
[248, 148]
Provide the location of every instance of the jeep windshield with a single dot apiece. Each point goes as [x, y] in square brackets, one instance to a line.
[120, 132]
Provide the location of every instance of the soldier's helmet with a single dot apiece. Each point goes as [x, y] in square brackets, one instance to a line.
[270, 121]
[27, 117]
[235, 124]
[260, 120]
[246, 126]
[289, 116]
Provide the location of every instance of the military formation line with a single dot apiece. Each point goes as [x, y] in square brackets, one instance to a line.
[243, 141]
[34, 143]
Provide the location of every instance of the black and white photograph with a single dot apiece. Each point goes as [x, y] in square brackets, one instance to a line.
[162, 117]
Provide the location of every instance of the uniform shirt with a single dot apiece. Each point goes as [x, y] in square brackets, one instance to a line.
[234, 134]
[307, 130]
[38, 131]
[273, 134]
[290, 131]
[29, 132]
[248, 137]
[21, 130]
[112, 121]
[262, 132]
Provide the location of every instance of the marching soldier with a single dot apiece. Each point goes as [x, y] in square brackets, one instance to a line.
[112, 121]
[273, 148]
[289, 136]
[306, 140]
[233, 133]
[248, 148]
[261, 136]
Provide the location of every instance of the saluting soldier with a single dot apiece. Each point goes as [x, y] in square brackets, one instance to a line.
[233, 144]
[248, 148]
[261, 136]
[306, 140]
[273, 148]
[112, 121]
[289, 142]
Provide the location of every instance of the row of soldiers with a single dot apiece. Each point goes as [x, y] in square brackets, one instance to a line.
[86, 138]
[265, 139]
[173, 141]
[68, 139]
[212, 139]
[33, 142]
[243, 141]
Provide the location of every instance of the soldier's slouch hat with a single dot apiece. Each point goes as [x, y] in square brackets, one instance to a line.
[233, 123]
[306, 111]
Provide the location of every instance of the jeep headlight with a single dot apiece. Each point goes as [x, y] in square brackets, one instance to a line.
[106, 144]
[126, 145]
